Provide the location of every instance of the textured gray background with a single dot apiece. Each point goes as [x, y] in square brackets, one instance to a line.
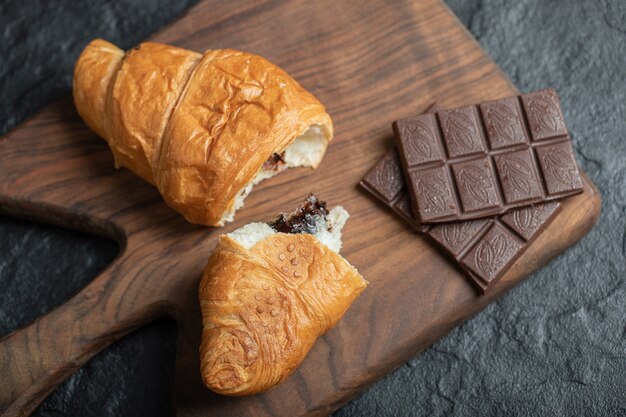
[554, 345]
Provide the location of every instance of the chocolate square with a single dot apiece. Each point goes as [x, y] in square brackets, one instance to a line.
[434, 193]
[518, 176]
[476, 184]
[544, 115]
[493, 254]
[559, 168]
[503, 123]
[420, 139]
[461, 131]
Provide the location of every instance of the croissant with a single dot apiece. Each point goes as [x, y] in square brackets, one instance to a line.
[268, 292]
[204, 129]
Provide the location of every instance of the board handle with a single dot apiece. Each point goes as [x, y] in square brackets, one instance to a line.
[36, 359]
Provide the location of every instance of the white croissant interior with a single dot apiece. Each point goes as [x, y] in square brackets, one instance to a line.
[328, 230]
[307, 150]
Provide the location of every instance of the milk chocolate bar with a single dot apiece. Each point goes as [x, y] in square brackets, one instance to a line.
[485, 248]
[478, 161]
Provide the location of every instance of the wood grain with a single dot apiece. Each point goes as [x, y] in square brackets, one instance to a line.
[370, 62]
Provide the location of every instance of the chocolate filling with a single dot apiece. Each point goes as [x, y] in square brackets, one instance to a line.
[308, 218]
[274, 162]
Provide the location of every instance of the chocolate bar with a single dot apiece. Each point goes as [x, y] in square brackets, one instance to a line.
[483, 248]
[478, 161]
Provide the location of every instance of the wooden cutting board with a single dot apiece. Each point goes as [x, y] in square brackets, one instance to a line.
[370, 62]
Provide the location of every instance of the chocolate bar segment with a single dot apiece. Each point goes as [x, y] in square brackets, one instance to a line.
[484, 249]
[483, 160]
[386, 182]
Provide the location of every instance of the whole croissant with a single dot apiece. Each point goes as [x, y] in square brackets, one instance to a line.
[265, 298]
[202, 128]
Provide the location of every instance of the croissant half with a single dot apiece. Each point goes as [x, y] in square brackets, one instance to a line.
[267, 296]
[202, 128]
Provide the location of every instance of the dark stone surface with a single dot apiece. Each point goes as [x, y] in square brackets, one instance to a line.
[555, 345]
[41, 40]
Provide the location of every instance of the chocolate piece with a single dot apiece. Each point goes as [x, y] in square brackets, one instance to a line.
[305, 219]
[485, 248]
[276, 162]
[478, 161]
[386, 182]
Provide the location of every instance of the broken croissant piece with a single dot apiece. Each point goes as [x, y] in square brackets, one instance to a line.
[203, 128]
[268, 292]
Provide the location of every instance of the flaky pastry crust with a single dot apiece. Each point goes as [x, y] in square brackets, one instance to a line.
[93, 75]
[264, 307]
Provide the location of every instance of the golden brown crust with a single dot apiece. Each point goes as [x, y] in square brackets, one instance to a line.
[147, 86]
[236, 111]
[199, 131]
[93, 72]
[264, 307]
